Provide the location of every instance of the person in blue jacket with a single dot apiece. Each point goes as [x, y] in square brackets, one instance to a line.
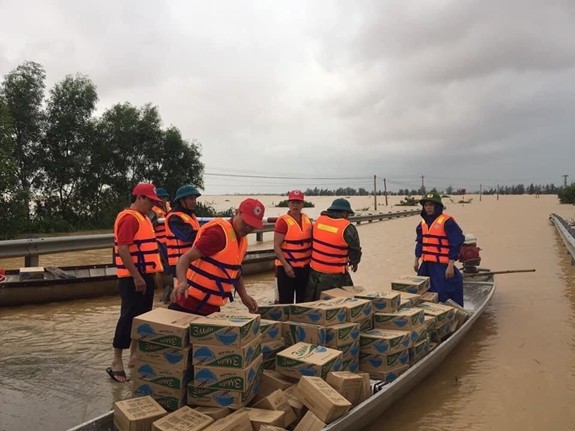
[438, 244]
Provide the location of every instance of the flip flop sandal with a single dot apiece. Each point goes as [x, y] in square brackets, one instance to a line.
[115, 374]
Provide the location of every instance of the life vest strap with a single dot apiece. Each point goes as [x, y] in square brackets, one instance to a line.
[327, 244]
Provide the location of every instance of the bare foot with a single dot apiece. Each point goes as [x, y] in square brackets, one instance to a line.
[132, 361]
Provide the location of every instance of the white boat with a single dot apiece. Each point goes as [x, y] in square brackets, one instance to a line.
[478, 291]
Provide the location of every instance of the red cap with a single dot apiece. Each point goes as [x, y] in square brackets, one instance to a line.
[295, 195]
[252, 212]
[146, 189]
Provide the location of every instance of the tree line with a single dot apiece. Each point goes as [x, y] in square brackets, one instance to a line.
[62, 168]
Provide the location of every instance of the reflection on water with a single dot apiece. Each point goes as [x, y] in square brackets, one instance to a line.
[515, 370]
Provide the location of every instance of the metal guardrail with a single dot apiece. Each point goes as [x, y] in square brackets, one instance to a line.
[32, 248]
[567, 234]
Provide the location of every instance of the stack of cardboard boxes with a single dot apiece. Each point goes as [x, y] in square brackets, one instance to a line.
[163, 367]
[227, 360]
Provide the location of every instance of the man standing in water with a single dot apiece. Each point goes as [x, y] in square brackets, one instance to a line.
[335, 246]
[439, 240]
[292, 247]
[137, 259]
[209, 272]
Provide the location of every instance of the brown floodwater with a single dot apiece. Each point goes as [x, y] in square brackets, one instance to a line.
[514, 371]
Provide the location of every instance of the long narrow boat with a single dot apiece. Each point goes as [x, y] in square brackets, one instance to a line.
[477, 295]
[90, 281]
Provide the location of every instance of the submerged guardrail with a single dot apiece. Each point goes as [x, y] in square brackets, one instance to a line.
[567, 234]
[32, 248]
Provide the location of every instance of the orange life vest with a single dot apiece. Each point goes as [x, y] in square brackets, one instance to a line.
[435, 242]
[211, 279]
[329, 250]
[174, 246]
[160, 228]
[296, 247]
[144, 249]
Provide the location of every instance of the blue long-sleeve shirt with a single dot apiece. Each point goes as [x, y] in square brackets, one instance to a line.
[452, 230]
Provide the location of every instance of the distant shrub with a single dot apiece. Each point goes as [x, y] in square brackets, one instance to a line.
[284, 204]
[408, 201]
[567, 195]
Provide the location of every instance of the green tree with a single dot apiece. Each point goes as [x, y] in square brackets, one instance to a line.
[567, 194]
[23, 92]
[9, 213]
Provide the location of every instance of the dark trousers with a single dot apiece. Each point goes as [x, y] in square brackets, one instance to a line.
[133, 304]
[200, 312]
[288, 286]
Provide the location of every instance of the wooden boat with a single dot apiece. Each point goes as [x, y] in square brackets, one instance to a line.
[90, 281]
[477, 294]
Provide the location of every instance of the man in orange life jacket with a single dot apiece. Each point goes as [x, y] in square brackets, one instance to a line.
[439, 240]
[158, 212]
[137, 260]
[292, 247]
[335, 246]
[210, 271]
[182, 226]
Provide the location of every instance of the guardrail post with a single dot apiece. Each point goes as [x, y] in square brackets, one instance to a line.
[31, 260]
[259, 236]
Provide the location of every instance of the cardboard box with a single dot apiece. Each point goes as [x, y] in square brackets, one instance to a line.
[348, 384]
[272, 381]
[418, 334]
[183, 419]
[335, 293]
[349, 351]
[385, 301]
[366, 325]
[169, 398]
[237, 421]
[176, 358]
[366, 391]
[161, 374]
[441, 312]
[384, 341]
[277, 312]
[294, 402]
[419, 351]
[303, 359]
[408, 299]
[271, 348]
[430, 297]
[271, 331]
[356, 310]
[369, 362]
[31, 273]
[295, 332]
[323, 400]
[232, 379]
[259, 417]
[342, 334]
[271, 428]
[352, 365]
[404, 320]
[226, 356]
[388, 376]
[214, 397]
[318, 313]
[221, 329]
[278, 400]
[310, 422]
[137, 414]
[415, 284]
[163, 326]
[214, 412]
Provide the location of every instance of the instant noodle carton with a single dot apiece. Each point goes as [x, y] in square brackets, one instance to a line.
[173, 357]
[356, 309]
[277, 312]
[369, 362]
[237, 421]
[137, 414]
[222, 329]
[214, 412]
[259, 417]
[388, 376]
[234, 379]
[184, 418]
[278, 400]
[384, 341]
[342, 334]
[226, 356]
[406, 319]
[323, 400]
[441, 312]
[161, 374]
[415, 284]
[294, 332]
[271, 330]
[318, 313]
[304, 359]
[348, 384]
[430, 297]
[163, 326]
[169, 398]
[384, 301]
[310, 422]
[419, 350]
[408, 299]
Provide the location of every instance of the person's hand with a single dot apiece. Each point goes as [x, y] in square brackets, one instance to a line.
[449, 271]
[416, 264]
[140, 283]
[354, 267]
[289, 271]
[180, 290]
[250, 303]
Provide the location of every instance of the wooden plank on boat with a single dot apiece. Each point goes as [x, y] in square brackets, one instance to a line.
[58, 273]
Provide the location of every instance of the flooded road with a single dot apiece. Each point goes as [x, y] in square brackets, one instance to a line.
[515, 370]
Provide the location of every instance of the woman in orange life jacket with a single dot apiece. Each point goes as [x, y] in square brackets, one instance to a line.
[209, 272]
[292, 247]
[335, 247]
[137, 260]
[182, 226]
[438, 245]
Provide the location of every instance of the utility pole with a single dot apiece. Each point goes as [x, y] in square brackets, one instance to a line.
[479, 192]
[422, 186]
[497, 191]
[375, 192]
[565, 180]
[385, 191]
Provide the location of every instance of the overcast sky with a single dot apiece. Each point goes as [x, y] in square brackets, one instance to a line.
[328, 93]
